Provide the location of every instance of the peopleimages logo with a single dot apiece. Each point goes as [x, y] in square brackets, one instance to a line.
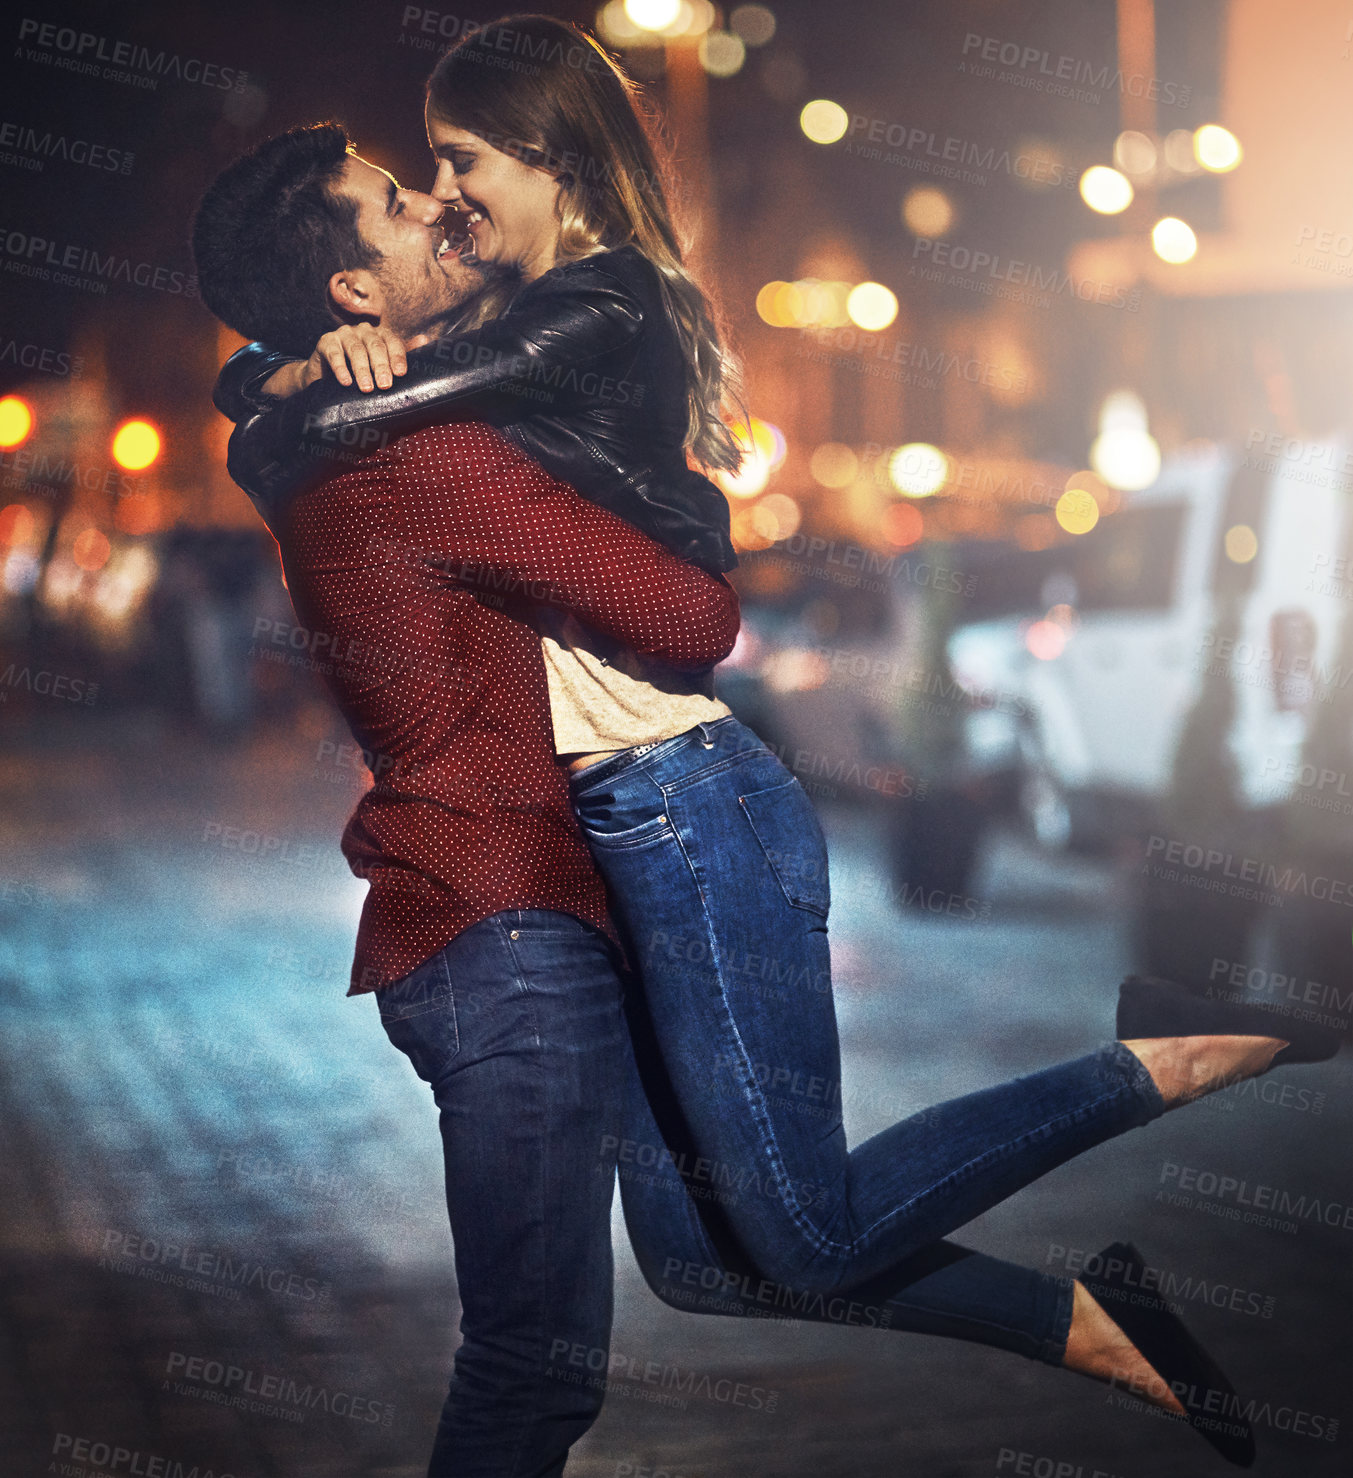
[82, 51]
[81, 266]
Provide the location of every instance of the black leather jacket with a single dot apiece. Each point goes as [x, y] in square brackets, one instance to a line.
[583, 372]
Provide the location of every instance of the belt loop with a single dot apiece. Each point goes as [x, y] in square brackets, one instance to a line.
[705, 740]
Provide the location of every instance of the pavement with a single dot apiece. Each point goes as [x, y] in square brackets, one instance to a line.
[218, 1175]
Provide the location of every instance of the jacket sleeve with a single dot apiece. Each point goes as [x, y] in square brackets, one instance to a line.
[238, 392]
[531, 359]
[492, 520]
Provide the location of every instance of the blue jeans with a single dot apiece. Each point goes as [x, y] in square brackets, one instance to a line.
[739, 1191]
[517, 1026]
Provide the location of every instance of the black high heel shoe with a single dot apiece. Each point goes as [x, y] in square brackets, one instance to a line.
[1151, 1007]
[1208, 1398]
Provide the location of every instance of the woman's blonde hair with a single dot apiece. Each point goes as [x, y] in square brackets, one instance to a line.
[545, 92]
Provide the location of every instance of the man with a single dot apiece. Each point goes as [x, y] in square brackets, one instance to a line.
[484, 933]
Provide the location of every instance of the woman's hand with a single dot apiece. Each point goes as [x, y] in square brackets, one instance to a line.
[369, 353]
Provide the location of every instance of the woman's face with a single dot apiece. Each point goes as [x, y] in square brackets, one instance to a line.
[507, 207]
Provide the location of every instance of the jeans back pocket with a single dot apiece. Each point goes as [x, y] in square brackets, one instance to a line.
[784, 822]
[428, 988]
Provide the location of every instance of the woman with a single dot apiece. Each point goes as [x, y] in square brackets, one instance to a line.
[711, 850]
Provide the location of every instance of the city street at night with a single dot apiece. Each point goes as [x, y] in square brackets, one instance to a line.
[455, 440]
[187, 1087]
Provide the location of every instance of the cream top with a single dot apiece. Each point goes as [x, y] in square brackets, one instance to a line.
[605, 696]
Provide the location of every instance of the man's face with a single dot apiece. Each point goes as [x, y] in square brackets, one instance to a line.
[420, 279]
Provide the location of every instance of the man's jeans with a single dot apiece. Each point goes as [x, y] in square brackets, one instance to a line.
[517, 1027]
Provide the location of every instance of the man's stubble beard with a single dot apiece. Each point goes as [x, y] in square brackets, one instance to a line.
[464, 299]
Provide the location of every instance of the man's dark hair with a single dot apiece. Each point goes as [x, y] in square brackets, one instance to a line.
[270, 232]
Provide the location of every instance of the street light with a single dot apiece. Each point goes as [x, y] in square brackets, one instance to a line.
[136, 445]
[652, 15]
[1105, 190]
[1216, 148]
[1173, 240]
[823, 121]
[918, 470]
[16, 421]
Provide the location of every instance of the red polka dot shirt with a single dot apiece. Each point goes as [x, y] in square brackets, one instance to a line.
[416, 573]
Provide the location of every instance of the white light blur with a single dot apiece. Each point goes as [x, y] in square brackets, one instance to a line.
[871, 306]
[1127, 459]
[918, 470]
[1105, 190]
[652, 15]
[1217, 148]
[1134, 152]
[1173, 240]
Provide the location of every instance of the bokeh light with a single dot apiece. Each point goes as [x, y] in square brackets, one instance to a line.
[871, 305]
[1046, 640]
[136, 445]
[1107, 499]
[91, 549]
[823, 304]
[722, 53]
[763, 449]
[618, 29]
[918, 469]
[834, 465]
[652, 15]
[1173, 240]
[1105, 190]
[810, 303]
[1126, 458]
[754, 23]
[777, 516]
[772, 306]
[1216, 148]
[768, 440]
[1134, 153]
[16, 421]
[17, 524]
[795, 670]
[927, 211]
[902, 525]
[1179, 153]
[1241, 544]
[1076, 511]
[823, 121]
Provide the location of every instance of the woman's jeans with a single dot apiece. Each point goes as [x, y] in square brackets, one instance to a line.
[739, 1192]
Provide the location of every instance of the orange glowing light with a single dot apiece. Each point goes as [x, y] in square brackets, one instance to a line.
[91, 550]
[136, 445]
[16, 524]
[138, 513]
[16, 421]
[903, 524]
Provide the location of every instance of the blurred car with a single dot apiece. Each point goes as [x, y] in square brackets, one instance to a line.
[1228, 568]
